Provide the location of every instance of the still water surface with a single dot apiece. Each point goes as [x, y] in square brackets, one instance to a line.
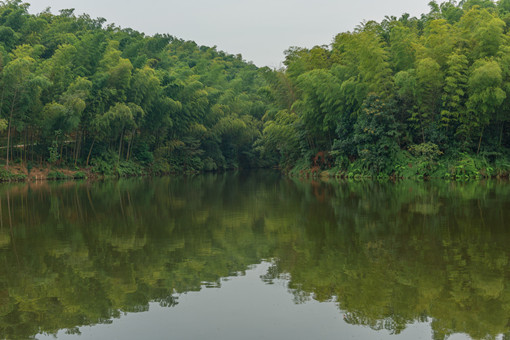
[254, 256]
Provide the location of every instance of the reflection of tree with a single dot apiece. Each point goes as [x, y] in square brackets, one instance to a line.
[392, 254]
[389, 254]
[88, 252]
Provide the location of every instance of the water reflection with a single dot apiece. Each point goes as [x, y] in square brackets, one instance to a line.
[389, 254]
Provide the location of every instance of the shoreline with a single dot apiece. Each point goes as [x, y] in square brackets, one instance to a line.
[343, 175]
[21, 174]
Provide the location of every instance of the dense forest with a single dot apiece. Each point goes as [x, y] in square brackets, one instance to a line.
[76, 93]
[405, 97]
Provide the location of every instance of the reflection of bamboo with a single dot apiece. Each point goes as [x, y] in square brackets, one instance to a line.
[10, 226]
[481, 213]
[78, 205]
[58, 204]
[131, 205]
[23, 208]
[1, 216]
[120, 199]
[90, 201]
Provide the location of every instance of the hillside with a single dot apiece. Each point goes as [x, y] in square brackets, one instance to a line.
[77, 93]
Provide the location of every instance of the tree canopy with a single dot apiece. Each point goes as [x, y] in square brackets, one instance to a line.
[403, 97]
[75, 92]
[439, 82]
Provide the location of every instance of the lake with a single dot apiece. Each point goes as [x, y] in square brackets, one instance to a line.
[254, 255]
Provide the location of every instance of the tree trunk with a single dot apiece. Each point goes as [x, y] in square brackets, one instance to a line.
[9, 127]
[78, 146]
[2, 100]
[32, 146]
[120, 142]
[90, 152]
[501, 134]
[480, 142]
[25, 146]
[130, 144]
[8, 140]
[422, 131]
[61, 153]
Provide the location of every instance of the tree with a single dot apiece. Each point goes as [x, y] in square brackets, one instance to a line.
[455, 90]
[401, 47]
[429, 87]
[485, 97]
[482, 32]
[116, 121]
[280, 136]
[376, 135]
[59, 69]
[23, 88]
[438, 41]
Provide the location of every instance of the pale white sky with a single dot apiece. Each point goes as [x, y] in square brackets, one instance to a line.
[260, 30]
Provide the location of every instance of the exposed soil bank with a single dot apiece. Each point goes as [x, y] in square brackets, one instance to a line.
[20, 173]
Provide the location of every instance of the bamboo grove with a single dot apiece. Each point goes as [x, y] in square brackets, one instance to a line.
[408, 96]
[74, 92]
[405, 97]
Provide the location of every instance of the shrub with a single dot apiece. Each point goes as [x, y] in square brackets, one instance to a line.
[57, 175]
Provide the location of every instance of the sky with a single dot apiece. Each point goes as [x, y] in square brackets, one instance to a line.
[260, 30]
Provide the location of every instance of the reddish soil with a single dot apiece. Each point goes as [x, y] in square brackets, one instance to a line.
[41, 173]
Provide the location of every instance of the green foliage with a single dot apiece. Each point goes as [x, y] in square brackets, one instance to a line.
[3, 125]
[454, 92]
[8, 176]
[128, 169]
[209, 164]
[161, 167]
[105, 165]
[429, 152]
[57, 175]
[444, 81]
[79, 175]
[53, 150]
[425, 158]
[280, 136]
[79, 92]
[376, 136]
[466, 167]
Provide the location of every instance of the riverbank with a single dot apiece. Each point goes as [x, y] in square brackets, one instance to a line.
[464, 168]
[22, 173]
[459, 170]
[47, 172]
[335, 174]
